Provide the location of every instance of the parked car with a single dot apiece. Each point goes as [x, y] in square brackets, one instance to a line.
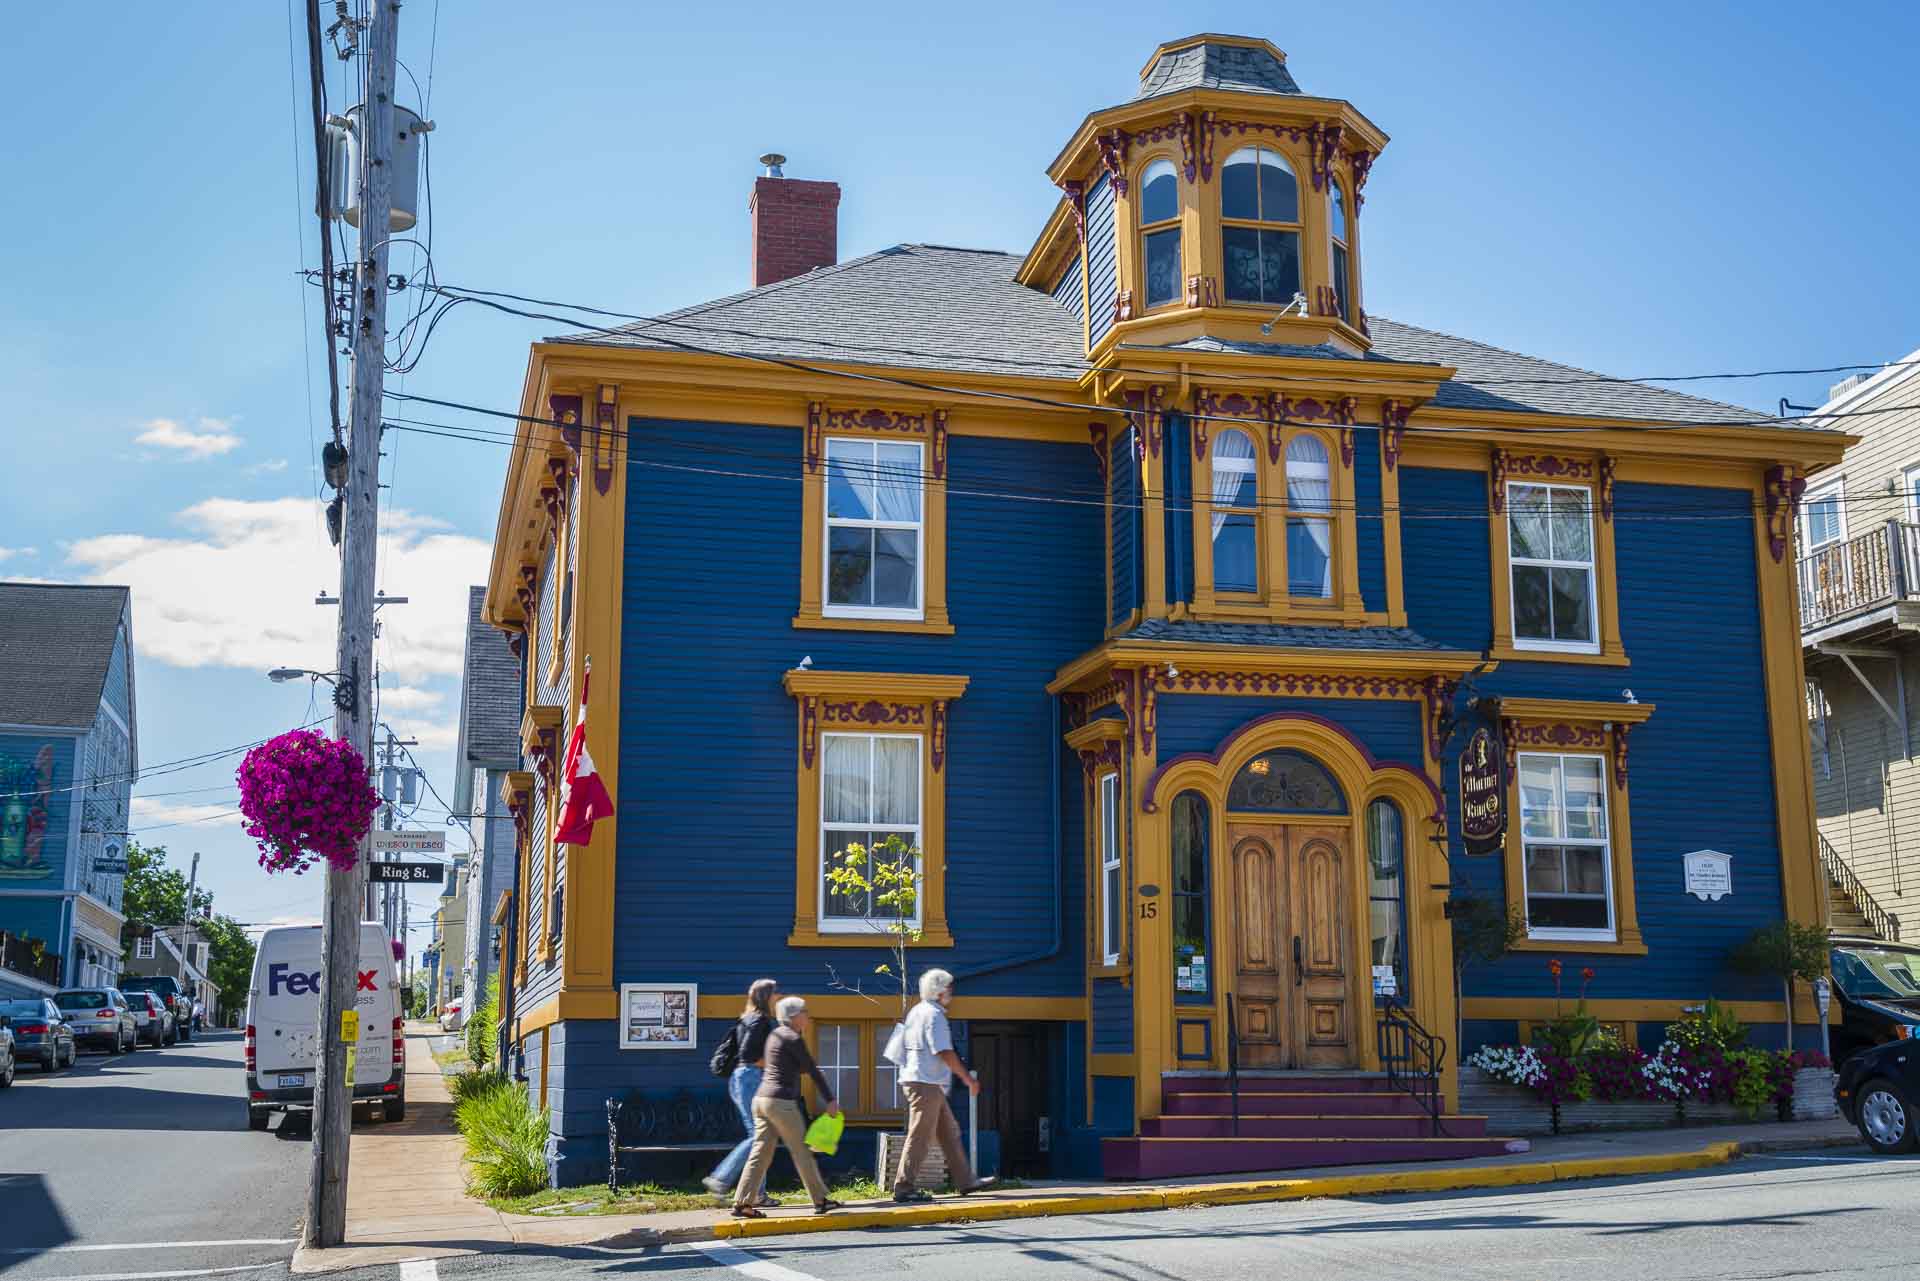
[40, 1031]
[168, 989]
[1876, 986]
[283, 1018]
[152, 1020]
[1877, 1089]
[450, 1014]
[100, 1017]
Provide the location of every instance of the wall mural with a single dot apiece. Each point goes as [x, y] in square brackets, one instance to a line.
[27, 810]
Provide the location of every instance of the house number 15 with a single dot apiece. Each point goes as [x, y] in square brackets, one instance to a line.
[1149, 910]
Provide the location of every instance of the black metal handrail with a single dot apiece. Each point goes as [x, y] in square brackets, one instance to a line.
[1883, 922]
[1412, 1057]
[1233, 1062]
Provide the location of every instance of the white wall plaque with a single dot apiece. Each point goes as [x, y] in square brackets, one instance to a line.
[1709, 874]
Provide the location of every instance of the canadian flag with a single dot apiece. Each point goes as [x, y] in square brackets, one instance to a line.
[583, 797]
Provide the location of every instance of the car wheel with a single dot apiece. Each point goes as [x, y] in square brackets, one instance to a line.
[397, 1108]
[6, 1074]
[1886, 1118]
[52, 1062]
[257, 1117]
[73, 1054]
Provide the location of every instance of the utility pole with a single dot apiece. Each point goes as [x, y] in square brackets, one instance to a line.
[340, 934]
[186, 925]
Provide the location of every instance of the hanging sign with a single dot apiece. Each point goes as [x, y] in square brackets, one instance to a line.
[1483, 793]
[1709, 874]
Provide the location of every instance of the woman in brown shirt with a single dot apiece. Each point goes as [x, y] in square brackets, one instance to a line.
[776, 1111]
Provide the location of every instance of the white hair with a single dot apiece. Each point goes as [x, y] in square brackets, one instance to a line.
[933, 983]
[790, 1008]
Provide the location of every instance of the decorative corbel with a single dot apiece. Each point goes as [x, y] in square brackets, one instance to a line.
[1187, 148]
[809, 727]
[816, 431]
[1346, 448]
[566, 412]
[1206, 146]
[1123, 306]
[1113, 158]
[605, 433]
[1326, 300]
[1202, 291]
[1097, 436]
[937, 748]
[1438, 692]
[1620, 755]
[1156, 419]
[1076, 193]
[1149, 708]
[1606, 488]
[557, 467]
[1200, 421]
[939, 444]
[1497, 475]
[1785, 484]
[1362, 162]
[1393, 427]
[1325, 141]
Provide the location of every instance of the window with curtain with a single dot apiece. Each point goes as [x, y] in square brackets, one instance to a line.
[1309, 518]
[1386, 904]
[1236, 513]
[1563, 824]
[870, 790]
[873, 528]
[1160, 232]
[1260, 227]
[1342, 279]
[1550, 558]
[1112, 921]
[1192, 963]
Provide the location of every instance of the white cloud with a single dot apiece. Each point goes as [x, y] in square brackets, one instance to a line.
[237, 590]
[150, 813]
[433, 736]
[267, 468]
[8, 553]
[211, 440]
[408, 698]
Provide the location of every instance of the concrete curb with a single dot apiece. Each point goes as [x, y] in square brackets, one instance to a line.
[1121, 1201]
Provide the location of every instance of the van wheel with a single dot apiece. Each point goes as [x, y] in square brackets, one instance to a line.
[397, 1108]
[257, 1117]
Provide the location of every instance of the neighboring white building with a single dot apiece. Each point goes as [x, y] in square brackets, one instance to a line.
[489, 749]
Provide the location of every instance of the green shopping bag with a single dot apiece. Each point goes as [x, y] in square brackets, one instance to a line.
[823, 1136]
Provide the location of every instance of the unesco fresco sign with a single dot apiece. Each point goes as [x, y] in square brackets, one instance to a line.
[1483, 793]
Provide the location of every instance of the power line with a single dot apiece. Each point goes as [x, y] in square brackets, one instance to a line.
[157, 771]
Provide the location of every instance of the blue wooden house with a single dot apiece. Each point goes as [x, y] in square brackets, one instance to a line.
[1153, 591]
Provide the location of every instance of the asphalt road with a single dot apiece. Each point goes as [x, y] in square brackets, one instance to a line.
[143, 1164]
[1840, 1213]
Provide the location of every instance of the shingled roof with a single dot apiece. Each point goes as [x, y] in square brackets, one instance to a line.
[936, 309]
[1214, 62]
[56, 642]
[489, 694]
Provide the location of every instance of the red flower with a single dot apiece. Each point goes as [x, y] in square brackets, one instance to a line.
[1587, 974]
[1553, 967]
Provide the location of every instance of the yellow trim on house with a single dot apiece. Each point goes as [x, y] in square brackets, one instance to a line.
[1112, 1065]
[1541, 1008]
[881, 703]
[1803, 883]
[842, 1007]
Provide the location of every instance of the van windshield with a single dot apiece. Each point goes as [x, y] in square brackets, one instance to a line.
[1877, 972]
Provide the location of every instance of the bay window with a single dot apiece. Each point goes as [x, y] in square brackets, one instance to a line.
[1236, 513]
[1260, 227]
[1160, 233]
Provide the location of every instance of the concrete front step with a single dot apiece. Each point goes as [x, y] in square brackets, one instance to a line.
[1313, 1127]
[1153, 1158]
[1292, 1103]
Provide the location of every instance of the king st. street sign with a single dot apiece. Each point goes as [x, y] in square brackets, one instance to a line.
[1483, 793]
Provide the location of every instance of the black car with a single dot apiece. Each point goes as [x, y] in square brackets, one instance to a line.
[1876, 988]
[40, 1032]
[168, 989]
[1876, 1090]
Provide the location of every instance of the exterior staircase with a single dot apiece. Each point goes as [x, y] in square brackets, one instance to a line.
[1290, 1121]
[1851, 911]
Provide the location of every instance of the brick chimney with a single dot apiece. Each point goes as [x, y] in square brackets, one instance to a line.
[796, 224]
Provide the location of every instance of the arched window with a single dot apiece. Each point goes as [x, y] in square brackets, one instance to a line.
[1342, 271]
[1236, 513]
[1260, 232]
[1160, 232]
[1309, 518]
[1285, 782]
[1192, 968]
[1386, 877]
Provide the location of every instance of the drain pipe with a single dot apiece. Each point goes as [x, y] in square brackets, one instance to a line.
[1059, 906]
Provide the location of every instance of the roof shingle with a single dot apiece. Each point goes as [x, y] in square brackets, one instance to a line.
[56, 642]
[489, 693]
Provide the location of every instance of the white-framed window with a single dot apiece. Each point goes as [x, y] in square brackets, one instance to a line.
[1112, 922]
[874, 562]
[1567, 853]
[1342, 284]
[1309, 518]
[1823, 516]
[1160, 233]
[839, 1060]
[143, 948]
[887, 1094]
[869, 790]
[1260, 227]
[1910, 482]
[1550, 567]
[1236, 512]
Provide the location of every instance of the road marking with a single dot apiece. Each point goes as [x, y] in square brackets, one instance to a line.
[419, 1270]
[148, 1245]
[1846, 1159]
[739, 1260]
[159, 1276]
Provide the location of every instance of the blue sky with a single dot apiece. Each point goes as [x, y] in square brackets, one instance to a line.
[1633, 188]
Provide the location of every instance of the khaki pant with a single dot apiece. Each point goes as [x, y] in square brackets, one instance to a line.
[930, 1119]
[777, 1121]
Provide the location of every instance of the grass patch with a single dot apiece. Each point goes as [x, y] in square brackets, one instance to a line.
[655, 1198]
[453, 1061]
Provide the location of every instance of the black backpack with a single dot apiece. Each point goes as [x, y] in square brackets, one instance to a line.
[726, 1055]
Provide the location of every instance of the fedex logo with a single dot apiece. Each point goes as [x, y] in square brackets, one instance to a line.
[295, 983]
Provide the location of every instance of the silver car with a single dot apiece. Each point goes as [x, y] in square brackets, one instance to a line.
[100, 1017]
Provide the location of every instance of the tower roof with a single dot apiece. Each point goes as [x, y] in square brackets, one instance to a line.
[1243, 64]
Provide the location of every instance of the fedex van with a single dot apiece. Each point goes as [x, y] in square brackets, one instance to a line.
[283, 1024]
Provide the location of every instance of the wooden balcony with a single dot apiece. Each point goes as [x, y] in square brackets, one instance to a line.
[1857, 579]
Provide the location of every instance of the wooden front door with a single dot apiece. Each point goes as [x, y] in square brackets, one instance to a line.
[1011, 1059]
[1292, 964]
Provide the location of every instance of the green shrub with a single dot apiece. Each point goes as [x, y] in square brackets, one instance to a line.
[483, 1026]
[467, 1085]
[506, 1135]
[1715, 1027]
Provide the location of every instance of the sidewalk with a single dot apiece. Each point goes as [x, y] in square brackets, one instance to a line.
[406, 1195]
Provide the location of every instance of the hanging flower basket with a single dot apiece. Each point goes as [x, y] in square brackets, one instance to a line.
[306, 797]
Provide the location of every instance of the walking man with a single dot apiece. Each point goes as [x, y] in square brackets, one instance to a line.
[929, 1068]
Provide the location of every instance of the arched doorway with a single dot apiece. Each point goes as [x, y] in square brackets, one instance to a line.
[1289, 836]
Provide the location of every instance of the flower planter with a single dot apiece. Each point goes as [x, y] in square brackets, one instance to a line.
[1813, 1095]
[1516, 1110]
